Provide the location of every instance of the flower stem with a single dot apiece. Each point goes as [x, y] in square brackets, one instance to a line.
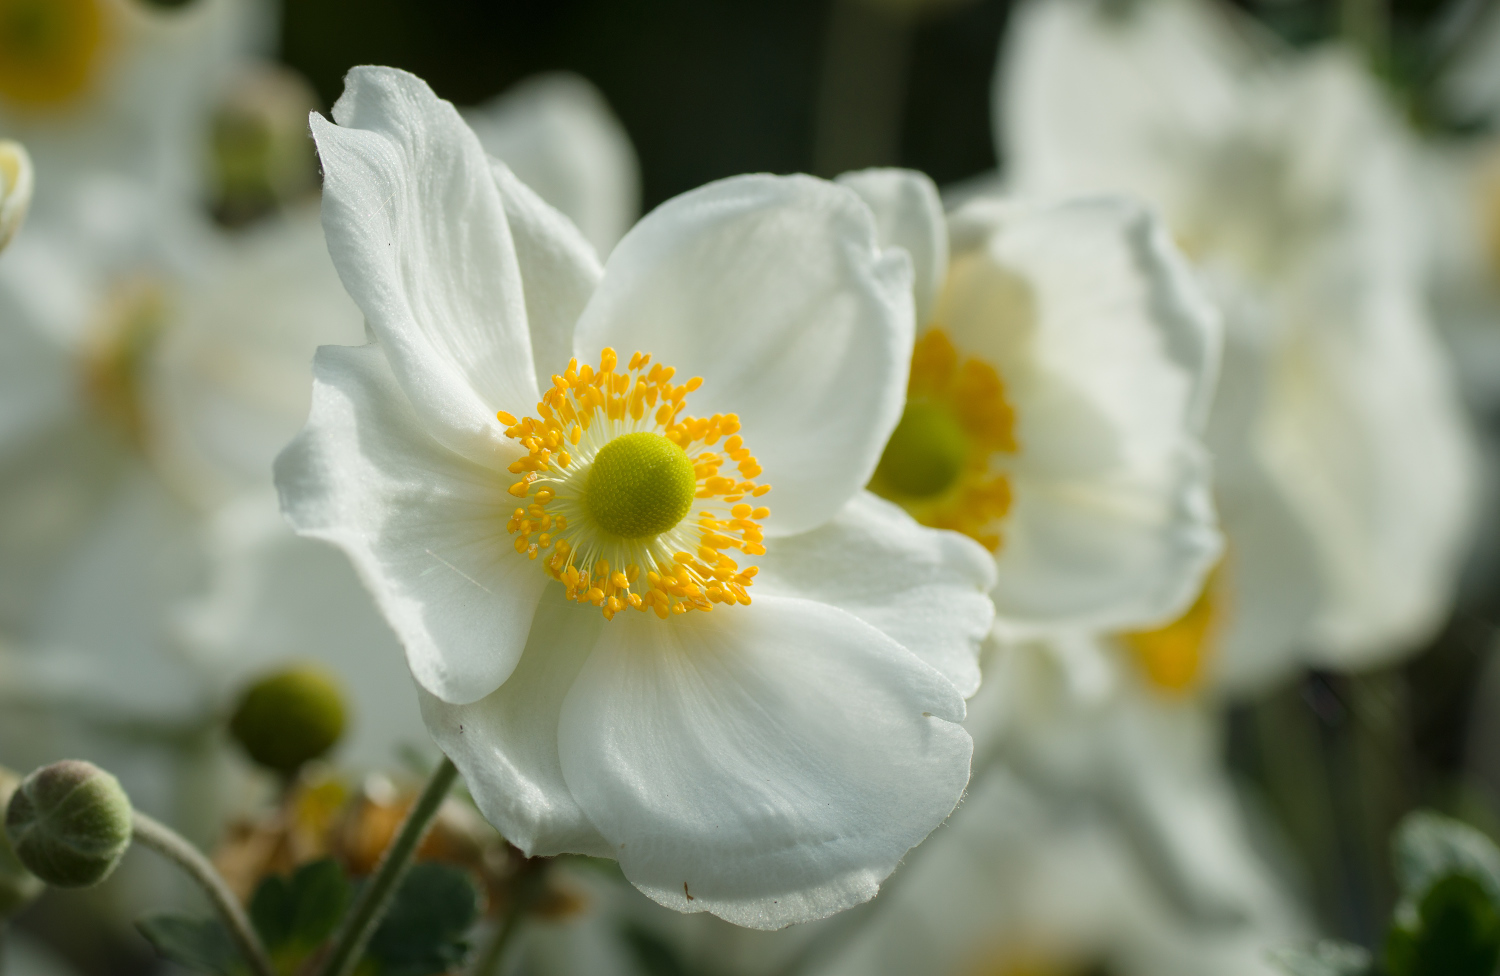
[167, 842]
[375, 899]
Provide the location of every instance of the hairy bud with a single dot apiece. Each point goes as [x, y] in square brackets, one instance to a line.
[69, 823]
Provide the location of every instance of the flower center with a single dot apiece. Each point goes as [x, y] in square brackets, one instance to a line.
[117, 351]
[1173, 656]
[640, 485]
[628, 497]
[926, 453]
[49, 49]
[940, 462]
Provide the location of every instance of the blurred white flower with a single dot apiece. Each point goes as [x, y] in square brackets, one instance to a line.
[1021, 883]
[558, 135]
[17, 180]
[119, 87]
[1062, 373]
[769, 761]
[1344, 470]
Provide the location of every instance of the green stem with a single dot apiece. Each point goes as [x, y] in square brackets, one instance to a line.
[375, 898]
[167, 842]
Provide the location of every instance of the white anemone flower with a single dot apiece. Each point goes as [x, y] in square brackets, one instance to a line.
[1061, 377]
[545, 511]
[17, 180]
[1345, 477]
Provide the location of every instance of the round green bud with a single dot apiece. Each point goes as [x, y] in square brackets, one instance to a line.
[69, 823]
[640, 485]
[925, 455]
[289, 718]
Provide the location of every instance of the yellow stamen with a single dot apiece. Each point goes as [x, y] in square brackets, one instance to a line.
[669, 555]
[939, 464]
[50, 50]
[1173, 657]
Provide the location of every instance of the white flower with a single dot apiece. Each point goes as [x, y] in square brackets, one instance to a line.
[768, 761]
[558, 135]
[1344, 472]
[1055, 407]
[16, 183]
[117, 86]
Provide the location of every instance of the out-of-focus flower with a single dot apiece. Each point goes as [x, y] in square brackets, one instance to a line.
[1023, 884]
[725, 765]
[17, 180]
[1057, 394]
[1344, 471]
[557, 134]
[117, 86]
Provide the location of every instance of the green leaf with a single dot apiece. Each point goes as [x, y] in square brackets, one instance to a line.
[1456, 932]
[1430, 847]
[422, 934]
[1324, 959]
[295, 915]
[201, 945]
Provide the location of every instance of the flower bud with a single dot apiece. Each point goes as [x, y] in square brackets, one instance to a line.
[70, 823]
[16, 182]
[18, 886]
[289, 718]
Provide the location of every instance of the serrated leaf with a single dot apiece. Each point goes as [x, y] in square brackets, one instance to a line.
[1326, 958]
[422, 934]
[1456, 933]
[295, 915]
[201, 945]
[1430, 847]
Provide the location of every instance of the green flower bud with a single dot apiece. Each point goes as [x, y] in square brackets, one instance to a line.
[69, 823]
[289, 718]
[18, 886]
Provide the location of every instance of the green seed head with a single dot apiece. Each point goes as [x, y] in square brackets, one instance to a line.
[640, 485]
[290, 717]
[18, 886]
[69, 823]
[924, 456]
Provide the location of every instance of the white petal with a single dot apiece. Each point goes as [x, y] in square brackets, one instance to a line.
[924, 588]
[16, 184]
[558, 267]
[908, 214]
[425, 527]
[774, 290]
[275, 599]
[557, 133]
[769, 764]
[505, 745]
[1108, 351]
[418, 232]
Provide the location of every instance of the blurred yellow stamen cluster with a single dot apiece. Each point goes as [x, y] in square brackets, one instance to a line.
[116, 352]
[50, 50]
[1173, 656]
[939, 464]
[621, 436]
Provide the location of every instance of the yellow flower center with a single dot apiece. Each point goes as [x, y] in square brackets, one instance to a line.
[117, 351]
[612, 475]
[50, 50]
[940, 462]
[1172, 657]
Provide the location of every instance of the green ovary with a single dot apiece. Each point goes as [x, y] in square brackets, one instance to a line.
[639, 485]
[924, 456]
